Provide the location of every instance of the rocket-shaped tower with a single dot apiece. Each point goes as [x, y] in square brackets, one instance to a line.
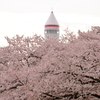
[51, 27]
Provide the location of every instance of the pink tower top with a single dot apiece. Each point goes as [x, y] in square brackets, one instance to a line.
[52, 22]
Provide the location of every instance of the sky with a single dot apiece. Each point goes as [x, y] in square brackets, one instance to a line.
[27, 17]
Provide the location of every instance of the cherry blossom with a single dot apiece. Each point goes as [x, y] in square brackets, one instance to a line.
[32, 68]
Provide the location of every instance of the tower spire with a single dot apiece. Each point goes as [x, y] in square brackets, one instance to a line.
[52, 10]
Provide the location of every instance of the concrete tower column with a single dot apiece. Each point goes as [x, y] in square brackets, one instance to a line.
[51, 27]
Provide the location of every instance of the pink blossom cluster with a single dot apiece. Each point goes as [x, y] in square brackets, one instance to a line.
[32, 68]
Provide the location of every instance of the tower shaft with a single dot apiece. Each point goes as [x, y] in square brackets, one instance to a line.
[51, 27]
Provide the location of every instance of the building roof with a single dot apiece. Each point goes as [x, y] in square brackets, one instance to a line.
[52, 22]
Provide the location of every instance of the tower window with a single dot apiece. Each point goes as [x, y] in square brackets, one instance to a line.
[52, 31]
[45, 31]
[57, 32]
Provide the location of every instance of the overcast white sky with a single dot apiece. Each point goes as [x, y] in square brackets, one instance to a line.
[28, 16]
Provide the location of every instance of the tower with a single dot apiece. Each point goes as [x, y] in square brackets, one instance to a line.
[51, 27]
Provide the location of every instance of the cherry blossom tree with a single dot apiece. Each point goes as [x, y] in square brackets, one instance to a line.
[32, 68]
